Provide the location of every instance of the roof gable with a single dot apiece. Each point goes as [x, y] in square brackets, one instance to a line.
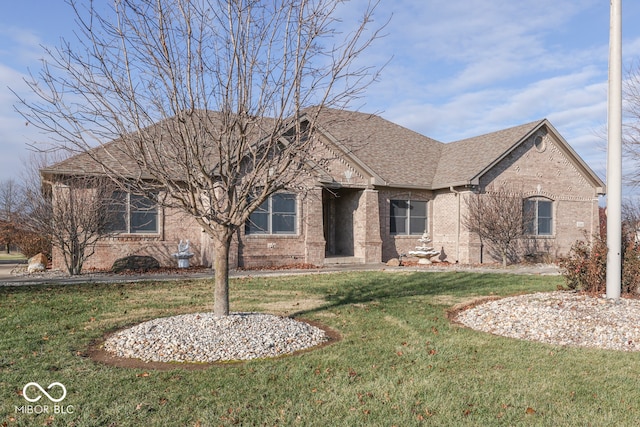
[463, 161]
[576, 160]
[391, 154]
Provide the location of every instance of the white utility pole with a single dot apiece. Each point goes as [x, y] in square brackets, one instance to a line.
[614, 155]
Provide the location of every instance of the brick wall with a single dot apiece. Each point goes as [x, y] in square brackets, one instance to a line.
[306, 246]
[546, 171]
[393, 245]
[368, 241]
[362, 218]
[173, 226]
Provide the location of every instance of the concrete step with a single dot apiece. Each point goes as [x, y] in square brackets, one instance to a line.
[341, 260]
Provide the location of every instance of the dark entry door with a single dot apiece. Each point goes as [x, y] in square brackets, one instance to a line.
[338, 207]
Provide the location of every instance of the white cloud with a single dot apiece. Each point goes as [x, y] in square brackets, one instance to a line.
[14, 134]
[459, 68]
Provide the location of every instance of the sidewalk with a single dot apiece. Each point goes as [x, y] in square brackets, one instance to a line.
[6, 267]
[7, 278]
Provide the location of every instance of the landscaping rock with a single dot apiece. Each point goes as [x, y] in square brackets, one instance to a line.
[135, 263]
[37, 263]
[393, 262]
[205, 337]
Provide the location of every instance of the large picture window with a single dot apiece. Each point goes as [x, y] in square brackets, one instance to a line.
[538, 217]
[276, 215]
[408, 217]
[131, 213]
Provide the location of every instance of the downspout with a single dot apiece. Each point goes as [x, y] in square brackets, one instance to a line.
[457, 193]
[594, 224]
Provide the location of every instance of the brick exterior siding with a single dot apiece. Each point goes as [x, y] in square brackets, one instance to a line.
[173, 227]
[547, 172]
[351, 217]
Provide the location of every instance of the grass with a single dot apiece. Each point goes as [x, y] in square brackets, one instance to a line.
[400, 361]
[13, 256]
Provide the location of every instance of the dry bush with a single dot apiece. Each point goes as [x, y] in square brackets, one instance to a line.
[31, 244]
[585, 268]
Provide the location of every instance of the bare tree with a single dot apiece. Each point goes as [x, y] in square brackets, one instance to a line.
[74, 214]
[630, 222]
[498, 217]
[631, 124]
[12, 209]
[212, 103]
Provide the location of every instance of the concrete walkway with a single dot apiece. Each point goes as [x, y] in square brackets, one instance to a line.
[6, 267]
[9, 278]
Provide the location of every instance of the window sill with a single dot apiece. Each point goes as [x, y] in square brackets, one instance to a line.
[272, 236]
[135, 236]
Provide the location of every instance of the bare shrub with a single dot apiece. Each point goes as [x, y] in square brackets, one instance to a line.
[497, 216]
[32, 243]
[584, 268]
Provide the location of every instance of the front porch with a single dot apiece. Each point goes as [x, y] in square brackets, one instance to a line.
[351, 226]
[343, 260]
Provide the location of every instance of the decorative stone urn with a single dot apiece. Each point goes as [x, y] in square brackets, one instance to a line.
[183, 256]
[424, 251]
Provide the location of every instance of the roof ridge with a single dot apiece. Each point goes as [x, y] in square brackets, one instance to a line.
[509, 129]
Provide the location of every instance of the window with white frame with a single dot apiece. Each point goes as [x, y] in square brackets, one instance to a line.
[538, 216]
[408, 217]
[276, 215]
[132, 213]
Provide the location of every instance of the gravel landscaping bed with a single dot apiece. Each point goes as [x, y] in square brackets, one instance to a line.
[204, 337]
[561, 318]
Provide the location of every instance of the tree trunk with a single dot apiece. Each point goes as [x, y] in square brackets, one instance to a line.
[221, 267]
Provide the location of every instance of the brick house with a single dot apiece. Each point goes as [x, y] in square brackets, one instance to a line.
[379, 188]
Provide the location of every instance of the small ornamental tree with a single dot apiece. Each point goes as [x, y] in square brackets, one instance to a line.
[73, 216]
[214, 103]
[497, 217]
[12, 210]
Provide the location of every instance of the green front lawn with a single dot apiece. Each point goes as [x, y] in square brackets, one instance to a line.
[13, 256]
[400, 361]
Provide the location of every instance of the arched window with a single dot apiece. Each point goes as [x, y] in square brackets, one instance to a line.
[538, 216]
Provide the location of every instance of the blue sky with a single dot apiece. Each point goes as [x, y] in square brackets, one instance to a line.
[459, 68]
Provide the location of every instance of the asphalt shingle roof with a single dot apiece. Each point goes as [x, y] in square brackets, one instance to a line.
[161, 148]
[463, 160]
[397, 156]
[401, 157]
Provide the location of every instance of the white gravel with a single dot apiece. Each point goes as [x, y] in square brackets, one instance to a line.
[561, 318]
[204, 337]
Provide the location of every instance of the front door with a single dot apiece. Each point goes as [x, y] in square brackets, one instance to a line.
[338, 207]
